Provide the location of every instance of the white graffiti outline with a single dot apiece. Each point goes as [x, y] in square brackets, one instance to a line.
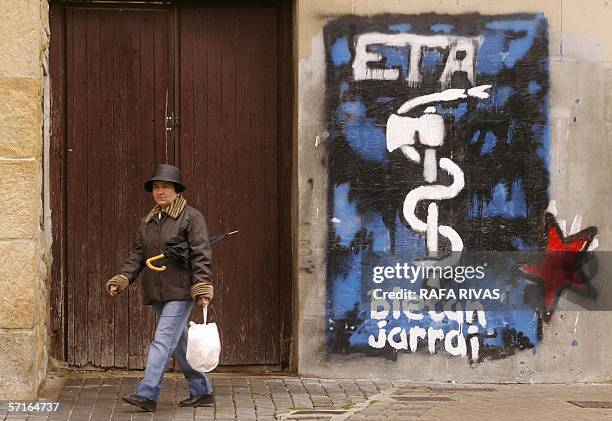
[428, 129]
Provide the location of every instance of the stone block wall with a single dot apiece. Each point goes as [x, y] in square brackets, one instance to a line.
[23, 282]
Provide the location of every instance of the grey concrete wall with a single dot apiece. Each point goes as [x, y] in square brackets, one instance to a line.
[580, 50]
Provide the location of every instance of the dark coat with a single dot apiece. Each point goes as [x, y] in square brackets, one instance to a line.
[180, 222]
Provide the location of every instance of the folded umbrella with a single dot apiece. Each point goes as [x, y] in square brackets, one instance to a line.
[216, 238]
[181, 252]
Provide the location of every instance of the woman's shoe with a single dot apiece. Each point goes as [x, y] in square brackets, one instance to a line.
[140, 401]
[200, 400]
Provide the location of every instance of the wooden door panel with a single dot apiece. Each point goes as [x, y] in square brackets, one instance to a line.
[118, 69]
[229, 154]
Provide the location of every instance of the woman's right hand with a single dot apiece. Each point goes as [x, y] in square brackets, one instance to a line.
[202, 301]
[113, 290]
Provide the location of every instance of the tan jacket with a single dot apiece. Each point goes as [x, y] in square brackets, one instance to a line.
[178, 223]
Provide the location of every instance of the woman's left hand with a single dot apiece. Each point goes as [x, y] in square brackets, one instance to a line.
[202, 301]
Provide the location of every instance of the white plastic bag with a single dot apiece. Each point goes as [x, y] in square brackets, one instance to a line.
[203, 345]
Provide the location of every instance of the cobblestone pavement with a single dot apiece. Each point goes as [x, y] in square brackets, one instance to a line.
[96, 396]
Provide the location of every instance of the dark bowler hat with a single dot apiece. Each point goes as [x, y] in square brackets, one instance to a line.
[165, 172]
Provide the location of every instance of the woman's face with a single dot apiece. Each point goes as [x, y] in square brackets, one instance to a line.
[163, 193]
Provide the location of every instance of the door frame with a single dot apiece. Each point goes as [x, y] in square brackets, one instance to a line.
[286, 173]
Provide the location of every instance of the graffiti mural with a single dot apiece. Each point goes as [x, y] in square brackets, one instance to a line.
[438, 148]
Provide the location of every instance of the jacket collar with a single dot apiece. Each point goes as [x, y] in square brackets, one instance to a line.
[173, 210]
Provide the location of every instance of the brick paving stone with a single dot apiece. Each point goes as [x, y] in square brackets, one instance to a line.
[246, 411]
[263, 414]
[305, 403]
[183, 412]
[141, 416]
[73, 382]
[264, 402]
[121, 416]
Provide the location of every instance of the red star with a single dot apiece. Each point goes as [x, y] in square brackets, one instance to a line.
[560, 267]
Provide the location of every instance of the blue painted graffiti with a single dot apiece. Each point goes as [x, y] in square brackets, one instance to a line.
[497, 139]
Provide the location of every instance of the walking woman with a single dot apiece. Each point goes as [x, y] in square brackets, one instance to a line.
[172, 293]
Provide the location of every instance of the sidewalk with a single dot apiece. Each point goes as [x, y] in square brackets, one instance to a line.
[96, 396]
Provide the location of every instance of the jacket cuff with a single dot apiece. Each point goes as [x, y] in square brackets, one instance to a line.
[202, 288]
[121, 281]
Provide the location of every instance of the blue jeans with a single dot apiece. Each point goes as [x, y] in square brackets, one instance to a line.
[171, 338]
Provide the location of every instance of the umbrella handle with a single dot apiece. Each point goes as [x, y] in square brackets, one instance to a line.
[150, 261]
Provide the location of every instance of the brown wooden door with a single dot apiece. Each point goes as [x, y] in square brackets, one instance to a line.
[229, 153]
[118, 68]
[113, 69]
